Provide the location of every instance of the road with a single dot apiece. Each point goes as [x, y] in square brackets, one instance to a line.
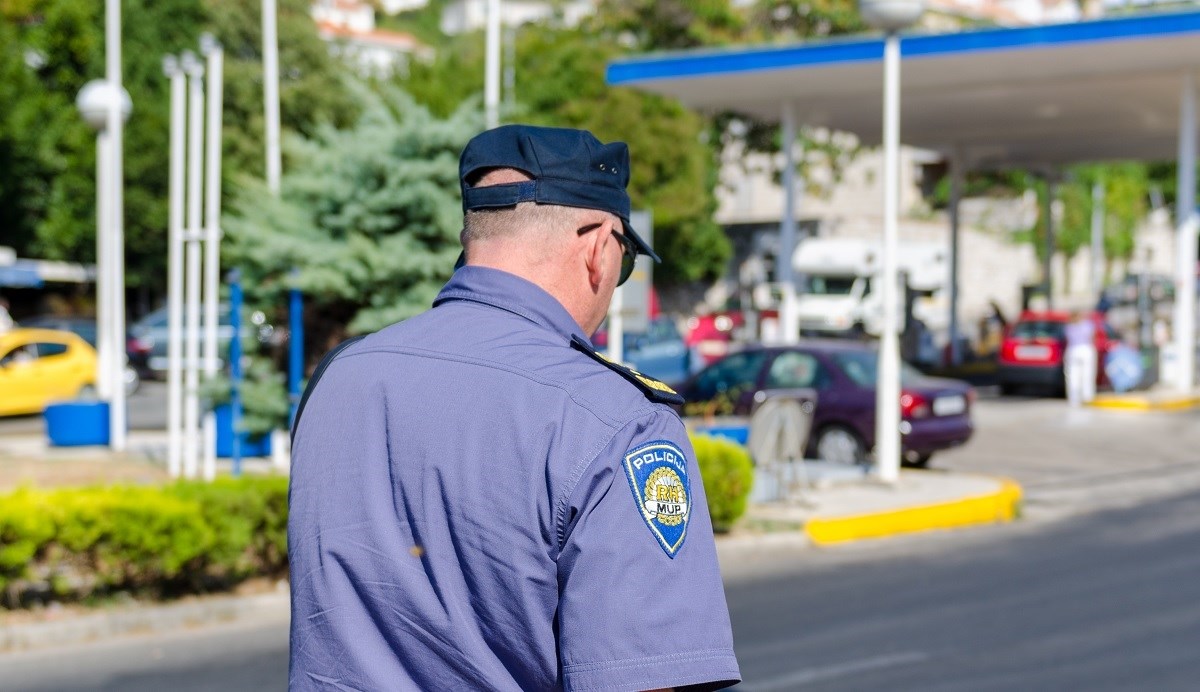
[1072, 460]
[147, 411]
[1104, 601]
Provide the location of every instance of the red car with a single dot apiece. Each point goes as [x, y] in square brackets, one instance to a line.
[1033, 348]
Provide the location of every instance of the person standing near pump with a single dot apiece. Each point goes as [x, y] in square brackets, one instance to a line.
[480, 500]
[1079, 361]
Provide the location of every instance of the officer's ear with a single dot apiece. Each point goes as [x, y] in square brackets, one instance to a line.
[596, 239]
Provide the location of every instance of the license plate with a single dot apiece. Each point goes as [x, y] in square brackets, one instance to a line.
[1033, 352]
[949, 405]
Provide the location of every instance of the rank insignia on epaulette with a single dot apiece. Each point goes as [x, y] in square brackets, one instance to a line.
[658, 475]
[652, 388]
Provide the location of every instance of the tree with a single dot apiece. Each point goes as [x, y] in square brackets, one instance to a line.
[50, 48]
[311, 90]
[1126, 194]
[367, 222]
[560, 82]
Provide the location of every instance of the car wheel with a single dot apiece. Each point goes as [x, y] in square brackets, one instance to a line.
[917, 461]
[132, 381]
[840, 445]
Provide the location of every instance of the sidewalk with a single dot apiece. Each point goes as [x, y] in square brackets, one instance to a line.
[1151, 400]
[30, 460]
[834, 504]
[839, 505]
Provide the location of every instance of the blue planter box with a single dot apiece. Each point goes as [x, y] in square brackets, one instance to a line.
[77, 423]
[257, 447]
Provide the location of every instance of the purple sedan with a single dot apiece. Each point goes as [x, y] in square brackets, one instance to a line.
[935, 413]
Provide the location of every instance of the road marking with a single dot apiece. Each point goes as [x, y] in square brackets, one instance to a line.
[801, 677]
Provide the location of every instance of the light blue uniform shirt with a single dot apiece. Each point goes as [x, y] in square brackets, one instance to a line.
[476, 504]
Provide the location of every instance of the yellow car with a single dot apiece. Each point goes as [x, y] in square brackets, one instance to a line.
[42, 366]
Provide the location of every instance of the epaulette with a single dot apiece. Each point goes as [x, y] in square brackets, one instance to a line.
[652, 388]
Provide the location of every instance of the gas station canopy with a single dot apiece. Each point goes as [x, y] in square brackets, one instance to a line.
[1038, 96]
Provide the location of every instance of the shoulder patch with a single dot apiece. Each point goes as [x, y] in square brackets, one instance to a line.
[657, 473]
[652, 388]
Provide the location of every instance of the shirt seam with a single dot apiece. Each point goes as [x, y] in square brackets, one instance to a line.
[615, 425]
[573, 481]
[627, 663]
[502, 304]
[609, 421]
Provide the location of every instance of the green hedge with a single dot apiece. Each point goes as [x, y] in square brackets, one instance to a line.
[728, 475]
[75, 543]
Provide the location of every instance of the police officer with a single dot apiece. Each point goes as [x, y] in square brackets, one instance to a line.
[481, 501]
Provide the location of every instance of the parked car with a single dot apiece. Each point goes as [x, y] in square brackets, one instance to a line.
[711, 336]
[659, 352]
[137, 355]
[1032, 351]
[151, 334]
[41, 366]
[936, 413]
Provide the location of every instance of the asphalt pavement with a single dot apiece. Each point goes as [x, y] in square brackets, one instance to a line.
[1094, 589]
[1103, 601]
[147, 411]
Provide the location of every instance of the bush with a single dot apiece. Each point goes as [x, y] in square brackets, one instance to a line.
[71, 544]
[728, 474]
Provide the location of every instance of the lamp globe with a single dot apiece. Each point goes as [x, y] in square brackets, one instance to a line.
[94, 100]
[891, 15]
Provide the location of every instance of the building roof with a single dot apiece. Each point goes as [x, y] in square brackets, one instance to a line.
[1056, 94]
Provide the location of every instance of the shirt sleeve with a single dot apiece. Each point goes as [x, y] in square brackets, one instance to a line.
[641, 603]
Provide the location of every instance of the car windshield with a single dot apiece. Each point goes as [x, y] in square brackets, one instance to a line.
[1039, 329]
[829, 285]
[862, 367]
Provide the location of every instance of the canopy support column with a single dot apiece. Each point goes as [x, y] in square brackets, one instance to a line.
[1185, 253]
[956, 184]
[887, 391]
[1048, 260]
[789, 322]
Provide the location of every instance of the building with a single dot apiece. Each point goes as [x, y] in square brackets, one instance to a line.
[349, 27]
[464, 16]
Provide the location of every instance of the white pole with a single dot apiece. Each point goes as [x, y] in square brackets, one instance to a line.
[271, 94]
[175, 269]
[956, 184]
[116, 211]
[616, 326]
[1048, 265]
[491, 85]
[789, 320]
[212, 245]
[1097, 239]
[887, 406]
[103, 281]
[1185, 255]
[191, 402]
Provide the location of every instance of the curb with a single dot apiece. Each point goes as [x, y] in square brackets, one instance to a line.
[1144, 403]
[142, 619]
[997, 507]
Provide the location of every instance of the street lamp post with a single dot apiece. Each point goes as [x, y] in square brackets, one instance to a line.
[491, 81]
[193, 235]
[890, 16]
[214, 56]
[175, 231]
[97, 101]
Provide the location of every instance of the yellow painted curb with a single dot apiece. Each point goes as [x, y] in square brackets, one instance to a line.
[1141, 403]
[1000, 506]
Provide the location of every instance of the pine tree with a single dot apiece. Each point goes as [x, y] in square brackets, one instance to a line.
[366, 225]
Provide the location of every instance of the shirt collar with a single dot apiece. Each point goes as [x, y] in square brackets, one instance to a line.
[510, 292]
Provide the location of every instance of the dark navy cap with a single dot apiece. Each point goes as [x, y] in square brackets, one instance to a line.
[569, 167]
